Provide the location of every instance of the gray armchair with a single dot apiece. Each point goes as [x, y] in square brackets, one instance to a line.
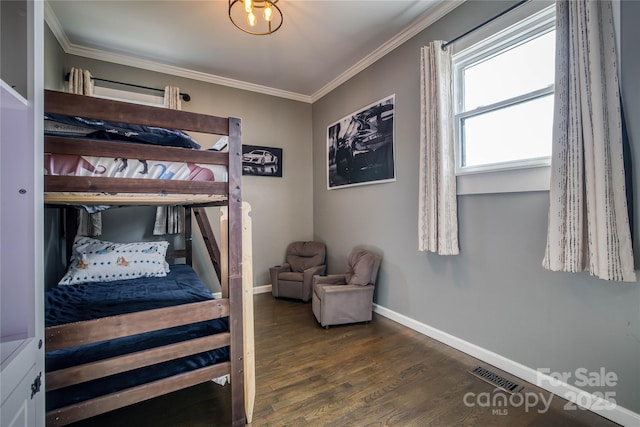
[293, 279]
[348, 297]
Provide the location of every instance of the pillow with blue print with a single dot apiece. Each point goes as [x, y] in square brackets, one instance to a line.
[95, 260]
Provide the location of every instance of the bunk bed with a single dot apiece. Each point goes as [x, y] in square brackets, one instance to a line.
[219, 344]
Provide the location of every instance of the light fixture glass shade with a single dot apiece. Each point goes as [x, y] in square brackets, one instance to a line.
[251, 19]
[258, 17]
[268, 12]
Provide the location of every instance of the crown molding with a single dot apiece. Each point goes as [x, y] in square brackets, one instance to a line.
[426, 19]
[144, 64]
[52, 21]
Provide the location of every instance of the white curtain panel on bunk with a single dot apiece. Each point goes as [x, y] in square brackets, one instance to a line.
[438, 210]
[170, 219]
[588, 226]
[80, 83]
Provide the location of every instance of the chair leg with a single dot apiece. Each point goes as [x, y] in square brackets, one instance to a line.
[326, 326]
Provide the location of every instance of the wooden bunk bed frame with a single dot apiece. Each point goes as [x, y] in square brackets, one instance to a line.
[62, 191]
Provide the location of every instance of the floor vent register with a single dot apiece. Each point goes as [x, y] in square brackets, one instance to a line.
[496, 380]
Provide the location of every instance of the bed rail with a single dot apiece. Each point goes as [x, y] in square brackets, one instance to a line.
[112, 327]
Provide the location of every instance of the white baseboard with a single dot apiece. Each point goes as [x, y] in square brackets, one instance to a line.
[569, 392]
[262, 289]
[256, 290]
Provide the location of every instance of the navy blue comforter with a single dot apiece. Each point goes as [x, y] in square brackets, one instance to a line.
[71, 303]
[124, 132]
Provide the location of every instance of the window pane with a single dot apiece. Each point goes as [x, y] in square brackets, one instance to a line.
[519, 70]
[519, 132]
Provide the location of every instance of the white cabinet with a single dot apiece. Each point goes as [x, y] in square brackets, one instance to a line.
[23, 400]
[21, 214]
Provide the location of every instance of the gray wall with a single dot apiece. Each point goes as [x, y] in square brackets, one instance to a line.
[54, 62]
[495, 294]
[281, 207]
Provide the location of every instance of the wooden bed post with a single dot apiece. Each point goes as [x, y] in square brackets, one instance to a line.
[247, 304]
[234, 249]
[247, 313]
[188, 236]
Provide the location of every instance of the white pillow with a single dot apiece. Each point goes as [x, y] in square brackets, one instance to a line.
[100, 261]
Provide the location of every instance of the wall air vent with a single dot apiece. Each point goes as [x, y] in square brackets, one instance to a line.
[496, 380]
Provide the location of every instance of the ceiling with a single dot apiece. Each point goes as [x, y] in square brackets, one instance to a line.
[321, 44]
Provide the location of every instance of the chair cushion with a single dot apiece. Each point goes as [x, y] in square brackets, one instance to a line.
[293, 276]
[361, 268]
[303, 255]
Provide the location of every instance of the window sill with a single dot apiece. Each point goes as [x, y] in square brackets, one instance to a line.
[506, 181]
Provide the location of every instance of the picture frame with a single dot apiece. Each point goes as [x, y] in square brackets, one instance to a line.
[261, 161]
[361, 146]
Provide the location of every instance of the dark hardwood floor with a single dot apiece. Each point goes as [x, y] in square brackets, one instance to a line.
[375, 374]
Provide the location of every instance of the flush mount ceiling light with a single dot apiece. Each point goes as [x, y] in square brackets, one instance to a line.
[258, 17]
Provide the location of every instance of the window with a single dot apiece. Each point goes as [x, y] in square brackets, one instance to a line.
[503, 97]
[155, 100]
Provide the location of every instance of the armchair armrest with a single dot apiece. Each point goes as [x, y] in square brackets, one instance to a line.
[331, 279]
[274, 272]
[307, 280]
[314, 271]
[280, 268]
[343, 290]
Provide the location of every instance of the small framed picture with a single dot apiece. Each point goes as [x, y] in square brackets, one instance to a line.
[262, 161]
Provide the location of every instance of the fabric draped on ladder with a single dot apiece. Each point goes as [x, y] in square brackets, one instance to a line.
[588, 224]
[89, 224]
[80, 83]
[438, 209]
[170, 219]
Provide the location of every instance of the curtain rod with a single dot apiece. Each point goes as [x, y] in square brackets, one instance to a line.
[185, 96]
[488, 21]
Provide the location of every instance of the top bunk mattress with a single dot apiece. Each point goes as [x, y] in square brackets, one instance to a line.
[119, 153]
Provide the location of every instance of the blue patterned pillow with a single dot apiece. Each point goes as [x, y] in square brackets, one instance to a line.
[100, 261]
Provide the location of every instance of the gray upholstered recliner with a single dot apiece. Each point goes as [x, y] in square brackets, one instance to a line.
[294, 278]
[347, 298]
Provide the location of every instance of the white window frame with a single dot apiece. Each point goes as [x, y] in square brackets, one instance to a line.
[521, 175]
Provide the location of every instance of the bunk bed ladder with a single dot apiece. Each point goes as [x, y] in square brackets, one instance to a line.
[209, 239]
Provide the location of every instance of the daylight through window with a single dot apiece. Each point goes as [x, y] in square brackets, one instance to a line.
[503, 91]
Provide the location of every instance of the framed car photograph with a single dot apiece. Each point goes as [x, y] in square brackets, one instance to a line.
[360, 146]
[263, 161]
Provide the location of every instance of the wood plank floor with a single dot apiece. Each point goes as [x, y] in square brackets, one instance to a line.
[375, 374]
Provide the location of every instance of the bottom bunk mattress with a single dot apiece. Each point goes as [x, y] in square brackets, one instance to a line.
[86, 301]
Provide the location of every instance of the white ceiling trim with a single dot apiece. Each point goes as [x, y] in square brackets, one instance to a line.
[418, 25]
[181, 72]
[52, 20]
